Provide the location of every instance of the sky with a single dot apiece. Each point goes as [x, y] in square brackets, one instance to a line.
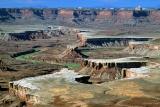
[78, 3]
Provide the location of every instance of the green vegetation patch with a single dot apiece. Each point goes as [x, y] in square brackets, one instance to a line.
[72, 65]
[156, 41]
[28, 57]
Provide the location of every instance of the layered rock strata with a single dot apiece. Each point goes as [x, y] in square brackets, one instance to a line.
[80, 16]
[101, 70]
[145, 49]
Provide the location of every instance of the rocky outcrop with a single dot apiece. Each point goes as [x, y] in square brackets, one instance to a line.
[3, 66]
[144, 49]
[39, 34]
[72, 52]
[155, 15]
[104, 15]
[124, 17]
[11, 101]
[22, 93]
[34, 91]
[28, 35]
[79, 16]
[107, 70]
[65, 14]
[105, 41]
[26, 14]
[84, 16]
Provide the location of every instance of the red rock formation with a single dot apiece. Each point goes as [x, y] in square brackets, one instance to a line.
[66, 13]
[82, 39]
[155, 16]
[26, 13]
[72, 54]
[125, 15]
[136, 45]
[80, 16]
[107, 71]
[22, 93]
[104, 15]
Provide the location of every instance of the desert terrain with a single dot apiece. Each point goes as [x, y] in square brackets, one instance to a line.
[71, 58]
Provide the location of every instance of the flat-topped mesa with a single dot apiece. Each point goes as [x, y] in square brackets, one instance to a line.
[128, 62]
[134, 44]
[49, 14]
[84, 16]
[33, 89]
[124, 16]
[104, 15]
[101, 70]
[65, 15]
[26, 13]
[23, 93]
[46, 33]
[145, 49]
[155, 15]
[147, 45]
[100, 17]
[90, 39]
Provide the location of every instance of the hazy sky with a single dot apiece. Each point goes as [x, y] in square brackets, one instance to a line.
[79, 3]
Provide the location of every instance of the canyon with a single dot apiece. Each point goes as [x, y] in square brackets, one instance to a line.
[96, 73]
[79, 57]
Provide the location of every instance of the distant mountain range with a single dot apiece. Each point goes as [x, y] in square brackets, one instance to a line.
[79, 16]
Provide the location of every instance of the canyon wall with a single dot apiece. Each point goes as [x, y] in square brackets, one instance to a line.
[39, 34]
[143, 49]
[100, 70]
[79, 16]
[108, 41]
[23, 93]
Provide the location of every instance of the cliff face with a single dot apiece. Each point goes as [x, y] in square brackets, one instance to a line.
[104, 15]
[155, 15]
[100, 70]
[80, 16]
[38, 34]
[143, 49]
